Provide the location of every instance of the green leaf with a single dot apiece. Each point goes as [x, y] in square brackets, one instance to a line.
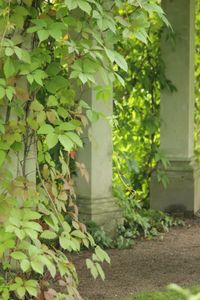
[91, 266]
[121, 62]
[18, 255]
[31, 215]
[25, 265]
[92, 115]
[52, 101]
[21, 291]
[38, 76]
[9, 68]
[56, 83]
[83, 104]
[66, 142]
[67, 126]
[102, 255]
[9, 93]
[64, 242]
[100, 271]
[2, 128]
[85, 6]
[2, 92]
[46, 129]
[52, 140]
[31, 233]
[48, 235]
[9, 51]
[75, 138]
[110, 54]
[25, 56]
[32, 291]
[71, 4]
[43, 35]
[50, 266]
[56, 33]
[37, 106]
[37, 266]
[2, 157]
[33, 225]
[78, 233]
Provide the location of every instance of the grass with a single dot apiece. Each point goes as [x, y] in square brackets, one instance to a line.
[166, 295]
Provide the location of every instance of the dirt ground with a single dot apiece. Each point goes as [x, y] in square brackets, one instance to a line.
[149, 265]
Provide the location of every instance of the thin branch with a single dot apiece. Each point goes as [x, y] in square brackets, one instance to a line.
[48, 194]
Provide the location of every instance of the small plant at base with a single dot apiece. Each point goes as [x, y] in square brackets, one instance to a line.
[99, 235]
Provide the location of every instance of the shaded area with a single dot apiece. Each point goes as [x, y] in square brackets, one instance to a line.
[150, 265]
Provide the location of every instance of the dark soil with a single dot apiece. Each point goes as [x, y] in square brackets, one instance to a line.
[149, 265]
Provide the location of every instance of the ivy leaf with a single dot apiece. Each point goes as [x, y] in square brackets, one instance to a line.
[25, 265]
[78, 233]
[25, 56]
[56, 83]
[66, 142]
[43, 35]
[37, 266]
[92, 115]
[91, 266]
[46, 129]
[75, 138]
[31, 215]
[56, 33]
[32, 291]
[67, 126]
[52, 101]
[85, 6]
[8, 68]
[71, 4]
[102, 255]
[48, 235]
[100, 271]
[110, 54]
[50, 266]
[18, 255]
[9, 51]
[52, 140]
[64, 242]
[121, 62]
[21, 291]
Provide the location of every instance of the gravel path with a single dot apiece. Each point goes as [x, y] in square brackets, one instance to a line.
[149, 265]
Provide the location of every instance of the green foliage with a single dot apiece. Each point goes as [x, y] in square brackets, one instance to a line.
[50, 55]
[184, 293]
[99, 235]
[137, 118]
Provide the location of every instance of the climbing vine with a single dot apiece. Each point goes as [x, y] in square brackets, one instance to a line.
[50, 54]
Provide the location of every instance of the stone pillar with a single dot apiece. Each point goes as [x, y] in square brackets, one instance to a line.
[95, 199]
[177, 114]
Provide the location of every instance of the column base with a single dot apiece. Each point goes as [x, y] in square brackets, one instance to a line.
[104, 212]
[182, 194]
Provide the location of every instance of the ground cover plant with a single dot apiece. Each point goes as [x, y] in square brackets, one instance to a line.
[50, 53]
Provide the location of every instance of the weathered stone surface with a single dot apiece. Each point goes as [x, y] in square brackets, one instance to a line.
[177, 114]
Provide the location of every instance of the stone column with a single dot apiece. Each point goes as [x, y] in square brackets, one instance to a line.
[96, 201]
[177, 113]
